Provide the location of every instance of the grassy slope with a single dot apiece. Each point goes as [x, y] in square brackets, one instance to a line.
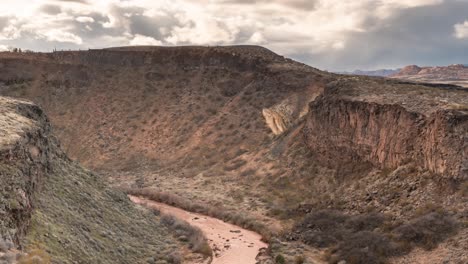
[53, 204]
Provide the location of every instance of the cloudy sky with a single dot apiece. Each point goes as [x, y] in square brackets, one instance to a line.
[328, 34]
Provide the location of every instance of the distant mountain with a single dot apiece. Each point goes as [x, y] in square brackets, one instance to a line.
[452, 74]
[380, 72]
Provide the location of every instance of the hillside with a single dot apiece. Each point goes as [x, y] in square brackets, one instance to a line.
[453, 74]
[241, 129]
[117, 107]
[51, 207]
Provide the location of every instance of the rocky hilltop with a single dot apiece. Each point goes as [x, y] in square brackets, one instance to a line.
[50, 207]
[453, 74]
[287, 146]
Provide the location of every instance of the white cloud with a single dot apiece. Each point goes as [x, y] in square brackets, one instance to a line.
[290, 27]
[461, 30]
[144, 40]
[4, 48]
[61, 36]
[257, 38]
[84, 19]
[320, 25]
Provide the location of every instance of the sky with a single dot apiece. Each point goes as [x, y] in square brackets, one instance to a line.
[333, 35]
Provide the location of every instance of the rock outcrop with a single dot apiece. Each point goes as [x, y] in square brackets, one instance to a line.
[344, 128]
[277, 119]
[290, 111]
[24, 156]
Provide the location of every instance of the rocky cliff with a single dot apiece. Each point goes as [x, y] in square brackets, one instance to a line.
[50, 204]
[349, 123]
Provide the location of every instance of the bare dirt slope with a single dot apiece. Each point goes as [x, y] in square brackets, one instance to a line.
[243, 129]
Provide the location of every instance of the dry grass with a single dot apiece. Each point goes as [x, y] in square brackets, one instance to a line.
[185, 232]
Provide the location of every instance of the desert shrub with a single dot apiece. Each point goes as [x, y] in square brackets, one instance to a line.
[155, 211]
[427, 230]
[365, 247]
[248, 172]
[235, 165]
[195, 237]
[362, 222]
[280, 259]
[299, 259]
[322, 228]
[240, 152]
[174, 258]
[372, 237]
[211, 111]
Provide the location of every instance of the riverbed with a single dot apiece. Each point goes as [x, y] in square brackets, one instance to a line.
[231, 244]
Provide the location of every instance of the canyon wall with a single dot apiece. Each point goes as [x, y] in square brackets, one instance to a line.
[341, 129]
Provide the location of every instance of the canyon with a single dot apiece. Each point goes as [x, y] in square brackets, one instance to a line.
[241, 134]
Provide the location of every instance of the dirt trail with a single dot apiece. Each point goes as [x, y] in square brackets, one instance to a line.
[231, 244]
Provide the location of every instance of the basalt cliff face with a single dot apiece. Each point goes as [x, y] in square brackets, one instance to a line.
[342, 128]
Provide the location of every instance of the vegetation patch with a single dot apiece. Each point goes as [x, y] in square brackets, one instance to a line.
[187, 233]
[372, 237]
